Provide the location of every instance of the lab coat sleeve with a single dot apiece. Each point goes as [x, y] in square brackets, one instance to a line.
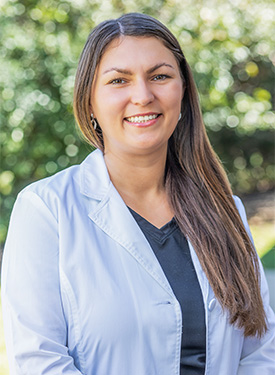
[34, 322]
[258, 355]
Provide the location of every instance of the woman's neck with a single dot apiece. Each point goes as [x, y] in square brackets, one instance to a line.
[136, 174]
[139, 179]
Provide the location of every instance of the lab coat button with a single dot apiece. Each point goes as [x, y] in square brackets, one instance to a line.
[212, 304]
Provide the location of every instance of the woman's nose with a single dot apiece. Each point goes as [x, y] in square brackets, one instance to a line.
[142, 93]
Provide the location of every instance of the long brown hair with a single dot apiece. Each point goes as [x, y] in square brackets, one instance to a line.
[196, 183]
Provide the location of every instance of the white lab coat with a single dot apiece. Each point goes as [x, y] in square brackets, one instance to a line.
[83, 292]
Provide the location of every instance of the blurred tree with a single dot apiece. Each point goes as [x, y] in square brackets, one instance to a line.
[229, 47]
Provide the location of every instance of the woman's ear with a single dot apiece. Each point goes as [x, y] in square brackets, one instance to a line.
[90, 108]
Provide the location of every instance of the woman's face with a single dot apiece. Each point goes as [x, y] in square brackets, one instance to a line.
[136, 95]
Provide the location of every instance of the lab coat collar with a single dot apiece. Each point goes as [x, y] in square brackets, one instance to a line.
[109, 212]
[94, 176]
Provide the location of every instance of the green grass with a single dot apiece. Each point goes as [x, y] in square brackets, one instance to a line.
[268, 259]
[264, 238]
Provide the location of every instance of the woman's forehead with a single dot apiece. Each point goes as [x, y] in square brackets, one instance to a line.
[132, 50]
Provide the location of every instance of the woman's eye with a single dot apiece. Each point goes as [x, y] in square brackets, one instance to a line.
[117, 81]
[160, 77]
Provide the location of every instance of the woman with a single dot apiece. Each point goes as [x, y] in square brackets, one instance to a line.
[138, 261]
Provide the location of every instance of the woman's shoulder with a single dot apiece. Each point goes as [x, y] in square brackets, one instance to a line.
[61, 181]
[238, 202]
[240, 207]
[65, 187]
[55, 184]
[49, 193]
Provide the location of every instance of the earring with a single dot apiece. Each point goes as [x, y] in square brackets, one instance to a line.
[93, 121]
[179, 117]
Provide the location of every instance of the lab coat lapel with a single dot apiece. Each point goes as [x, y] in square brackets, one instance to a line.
[109, 212]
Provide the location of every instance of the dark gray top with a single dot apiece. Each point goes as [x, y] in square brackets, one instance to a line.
[172, 251]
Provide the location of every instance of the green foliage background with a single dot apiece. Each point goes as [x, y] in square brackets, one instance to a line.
[227, 43]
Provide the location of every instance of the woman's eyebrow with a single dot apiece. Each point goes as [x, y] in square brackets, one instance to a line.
[157, 66]
[128, 72]
[119, 70]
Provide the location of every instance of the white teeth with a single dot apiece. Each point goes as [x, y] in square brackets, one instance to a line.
[141, 118]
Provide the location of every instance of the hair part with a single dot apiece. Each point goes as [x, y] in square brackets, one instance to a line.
[199, 191]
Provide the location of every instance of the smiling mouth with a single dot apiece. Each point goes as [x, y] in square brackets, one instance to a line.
[141, 119]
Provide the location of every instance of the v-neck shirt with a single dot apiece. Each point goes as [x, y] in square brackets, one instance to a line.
[172, 251]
